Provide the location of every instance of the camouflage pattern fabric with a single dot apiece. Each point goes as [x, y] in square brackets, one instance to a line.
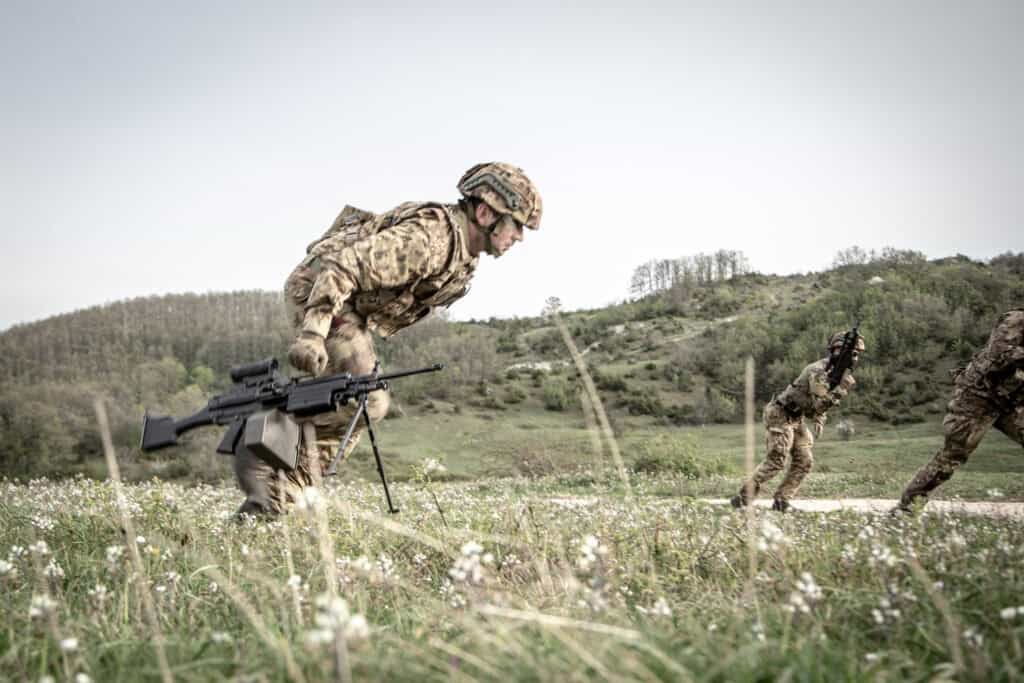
[402, 265]
[349, 349]
[366, 273]
[786, 435]
[989, 391]
[506, 189]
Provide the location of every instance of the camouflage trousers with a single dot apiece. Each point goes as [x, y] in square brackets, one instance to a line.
[349, 349]
[785, 437]
[967, 419]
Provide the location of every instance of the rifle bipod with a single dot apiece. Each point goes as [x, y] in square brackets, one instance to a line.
[333, 469]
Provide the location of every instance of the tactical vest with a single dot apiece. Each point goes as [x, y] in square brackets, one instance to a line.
[386, 310]
[796, 398]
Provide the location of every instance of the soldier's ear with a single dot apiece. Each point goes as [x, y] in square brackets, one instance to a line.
[485, 215]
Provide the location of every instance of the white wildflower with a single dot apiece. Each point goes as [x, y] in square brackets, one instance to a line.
[591, 552]
[772, 538]
[82, 678]
[114, 553]
[332, 619]
[797, 603]
[220, 637]
[433, 466]
[54, 570]
[357, 629]
[6, 568]
[41, 605]
[40, 548]
[808, 587]
[42, 523]
[69, 644]
[468, 568]
[882, 555]
[309, 498]
[1008, 613]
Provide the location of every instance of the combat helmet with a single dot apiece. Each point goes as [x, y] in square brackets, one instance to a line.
[506, 189]
[836, 340]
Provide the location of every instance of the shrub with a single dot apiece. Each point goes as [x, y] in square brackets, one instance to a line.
[514, 394]
[644, 404]
[609, 382]
[556, 395]
[676, 454]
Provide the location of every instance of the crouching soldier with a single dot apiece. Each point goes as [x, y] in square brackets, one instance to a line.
[381, 273]
[988, 392]
[810, 396]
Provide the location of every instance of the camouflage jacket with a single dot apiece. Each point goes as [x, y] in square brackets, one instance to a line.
[392, 269]
[809, 396]
[996, 372]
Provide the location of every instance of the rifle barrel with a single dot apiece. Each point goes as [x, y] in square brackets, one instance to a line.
[418, 371]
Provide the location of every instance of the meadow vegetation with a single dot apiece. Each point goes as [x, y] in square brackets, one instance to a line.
[499, 579]
[522, 552]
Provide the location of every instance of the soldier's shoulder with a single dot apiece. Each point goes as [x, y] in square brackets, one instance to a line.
[1013, 318]
[818, 367]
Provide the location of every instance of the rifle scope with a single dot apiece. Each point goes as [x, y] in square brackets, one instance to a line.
[259, 368]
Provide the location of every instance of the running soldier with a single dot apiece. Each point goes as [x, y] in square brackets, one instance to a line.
[989, 391]
[382, 273]
[807, 396]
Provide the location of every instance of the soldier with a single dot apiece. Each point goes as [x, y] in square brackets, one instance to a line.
[787, 435]
[383, 273]
[989, 391]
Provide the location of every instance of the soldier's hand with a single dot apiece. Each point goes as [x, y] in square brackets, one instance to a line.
[817, 429]
[308, 353]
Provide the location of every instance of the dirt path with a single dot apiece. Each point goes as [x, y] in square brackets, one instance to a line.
[987, 508]
[1013, 510]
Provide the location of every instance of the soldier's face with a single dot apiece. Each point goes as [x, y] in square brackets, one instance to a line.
[507, 233]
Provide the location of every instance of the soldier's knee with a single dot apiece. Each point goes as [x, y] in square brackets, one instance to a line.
[377, 405]
[803, 457]
[256, 480]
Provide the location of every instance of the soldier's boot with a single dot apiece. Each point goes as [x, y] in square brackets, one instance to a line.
[901, 509]
[782, 505]
[255, 508]
[746, 493]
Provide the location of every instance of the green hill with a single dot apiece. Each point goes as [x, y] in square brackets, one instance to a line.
[671, 358]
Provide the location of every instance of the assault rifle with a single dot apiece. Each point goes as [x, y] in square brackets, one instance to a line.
[843, 361]
[263, 408]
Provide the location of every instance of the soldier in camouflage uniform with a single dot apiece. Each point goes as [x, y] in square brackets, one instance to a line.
[989, 391]
[787, 435]
[381, 273]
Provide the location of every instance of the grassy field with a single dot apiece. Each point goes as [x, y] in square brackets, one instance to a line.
[877, 462]
[497, 579]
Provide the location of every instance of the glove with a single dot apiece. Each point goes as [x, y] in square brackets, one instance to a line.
[818, 428]
[308, 353]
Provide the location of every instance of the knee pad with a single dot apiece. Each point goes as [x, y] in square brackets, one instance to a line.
[377, 405]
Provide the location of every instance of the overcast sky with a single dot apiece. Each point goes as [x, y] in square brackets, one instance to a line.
[159, 147]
